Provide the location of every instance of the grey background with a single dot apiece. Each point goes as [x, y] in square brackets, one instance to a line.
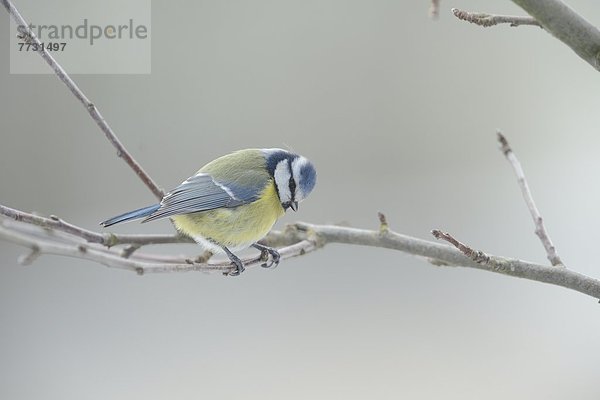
[399, 114]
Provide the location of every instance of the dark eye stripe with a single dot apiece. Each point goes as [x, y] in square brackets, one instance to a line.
[292, 182]
[293, 188]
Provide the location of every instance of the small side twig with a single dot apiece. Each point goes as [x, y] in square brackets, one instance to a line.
[478, 256]
[129, 250]
[487, 20]
[434, 9]
[383, 224]
[540, 229]
[29, 258]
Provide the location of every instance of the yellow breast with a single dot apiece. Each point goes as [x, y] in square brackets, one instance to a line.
[235, 228]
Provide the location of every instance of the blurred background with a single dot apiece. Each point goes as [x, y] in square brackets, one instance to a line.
[399, 115]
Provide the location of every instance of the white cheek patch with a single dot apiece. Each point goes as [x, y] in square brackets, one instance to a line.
[297, 166]
[282, 180]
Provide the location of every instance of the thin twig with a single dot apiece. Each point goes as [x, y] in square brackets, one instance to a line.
[90, 107]
[434, 9]
[487, 20]
[28, 259]
[540, 229]
[106, 239]
[478, 256]
[383, 224]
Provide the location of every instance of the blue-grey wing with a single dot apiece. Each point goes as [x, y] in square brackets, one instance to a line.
[202, 193]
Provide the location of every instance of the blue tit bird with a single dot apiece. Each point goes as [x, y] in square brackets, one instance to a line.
[234, 201]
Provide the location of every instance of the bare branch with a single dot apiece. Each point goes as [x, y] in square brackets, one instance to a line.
[303, 238]
[90, 107]
[540, 229]
[114, 260]
[53, 222]
[522, 269]
[487, 20]
[567, 26]
[106, 239]
[444, 255]
[49, 229]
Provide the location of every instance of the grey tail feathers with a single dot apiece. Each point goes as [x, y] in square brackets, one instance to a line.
[128, 216]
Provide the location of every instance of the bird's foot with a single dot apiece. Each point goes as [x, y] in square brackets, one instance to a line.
[265, 252]
[239, 267]
[235, 260]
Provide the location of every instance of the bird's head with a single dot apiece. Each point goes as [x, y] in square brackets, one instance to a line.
[294, 176]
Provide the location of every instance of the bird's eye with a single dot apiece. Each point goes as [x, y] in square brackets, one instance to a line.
[292, 185]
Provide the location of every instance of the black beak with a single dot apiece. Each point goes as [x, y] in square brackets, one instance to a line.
[294, 205]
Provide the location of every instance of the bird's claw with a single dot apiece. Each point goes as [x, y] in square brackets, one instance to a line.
[239, 265]
[273, 262]
[239, 268]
